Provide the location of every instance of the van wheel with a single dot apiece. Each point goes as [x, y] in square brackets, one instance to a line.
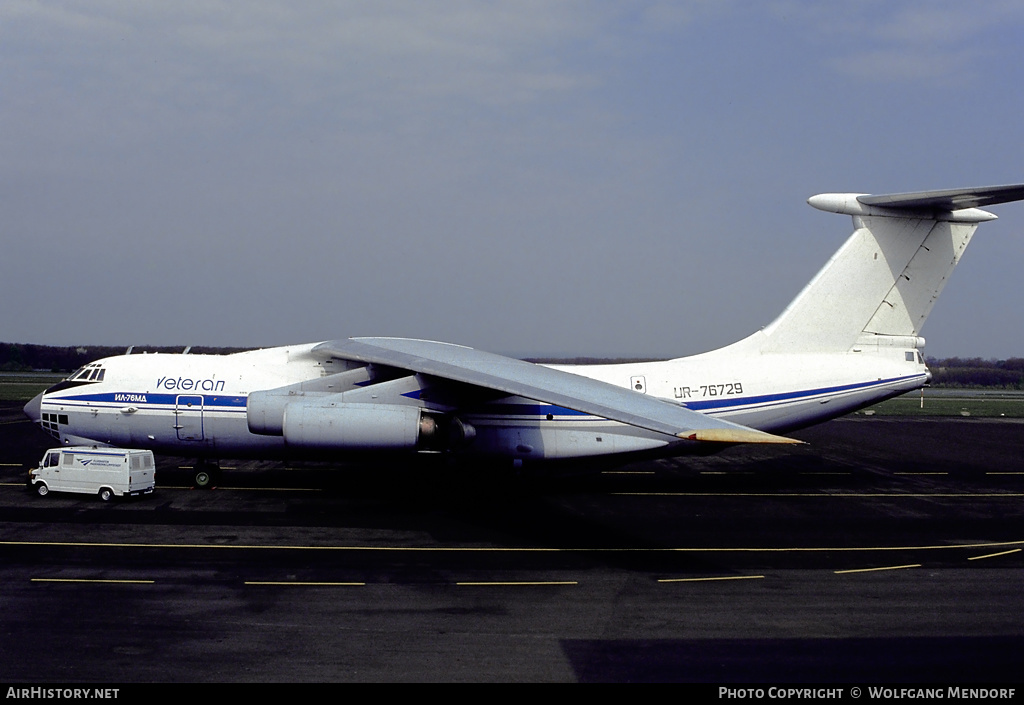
[106, 494]
[41, 489]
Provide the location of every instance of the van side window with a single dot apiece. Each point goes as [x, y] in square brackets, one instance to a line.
[51, 460]
[69, 459]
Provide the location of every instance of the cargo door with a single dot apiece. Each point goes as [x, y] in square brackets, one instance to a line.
[188, 417]
[141, 475]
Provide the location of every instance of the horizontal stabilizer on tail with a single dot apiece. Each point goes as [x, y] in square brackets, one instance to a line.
[948, 199]
[962, 205]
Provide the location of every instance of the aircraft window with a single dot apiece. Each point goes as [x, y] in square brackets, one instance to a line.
[89, 373]
[920, 358]
[63, 418]
[909, 357]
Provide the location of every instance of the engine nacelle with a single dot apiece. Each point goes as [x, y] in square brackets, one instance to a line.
[320, 424]
[264, 411]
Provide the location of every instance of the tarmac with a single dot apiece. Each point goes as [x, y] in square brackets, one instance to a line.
[886, 550]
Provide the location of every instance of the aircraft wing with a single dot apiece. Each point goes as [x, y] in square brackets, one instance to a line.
[544, 384]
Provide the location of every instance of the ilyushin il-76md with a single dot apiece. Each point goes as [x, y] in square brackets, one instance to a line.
[851, 338]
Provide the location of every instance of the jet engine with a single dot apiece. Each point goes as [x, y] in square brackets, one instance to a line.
[345, 426]
[326, 422]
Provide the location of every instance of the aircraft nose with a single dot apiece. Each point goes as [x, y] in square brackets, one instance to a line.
[33, 409]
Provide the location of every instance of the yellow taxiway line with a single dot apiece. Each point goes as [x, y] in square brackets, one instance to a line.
[872, 570]
[993, 555]
[703, 580]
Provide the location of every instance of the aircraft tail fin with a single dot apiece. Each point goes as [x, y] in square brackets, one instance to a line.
[885, 279]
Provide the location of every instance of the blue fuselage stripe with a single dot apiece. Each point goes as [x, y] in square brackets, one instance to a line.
[773, 399]
[150, 399]
[236, 403]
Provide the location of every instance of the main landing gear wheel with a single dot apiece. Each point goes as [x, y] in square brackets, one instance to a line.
[205, 475]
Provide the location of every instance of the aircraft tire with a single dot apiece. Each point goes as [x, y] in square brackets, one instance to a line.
[205, 476]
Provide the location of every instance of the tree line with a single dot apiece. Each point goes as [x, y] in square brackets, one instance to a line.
[975, 372]
[21, 357]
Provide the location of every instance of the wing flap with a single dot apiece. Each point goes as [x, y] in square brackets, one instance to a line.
[544, 384]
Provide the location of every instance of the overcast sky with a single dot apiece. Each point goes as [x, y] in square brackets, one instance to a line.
[530, 177]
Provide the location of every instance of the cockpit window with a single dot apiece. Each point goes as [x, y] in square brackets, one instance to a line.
[90, 373]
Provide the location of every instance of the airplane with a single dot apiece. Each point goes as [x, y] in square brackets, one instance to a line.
[850, 339]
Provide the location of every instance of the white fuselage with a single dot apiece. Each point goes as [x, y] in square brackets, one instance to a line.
[198, 405]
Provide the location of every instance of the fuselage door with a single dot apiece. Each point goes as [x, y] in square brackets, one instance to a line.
[188, 417]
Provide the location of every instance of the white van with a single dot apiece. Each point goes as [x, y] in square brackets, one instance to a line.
[106, 472]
